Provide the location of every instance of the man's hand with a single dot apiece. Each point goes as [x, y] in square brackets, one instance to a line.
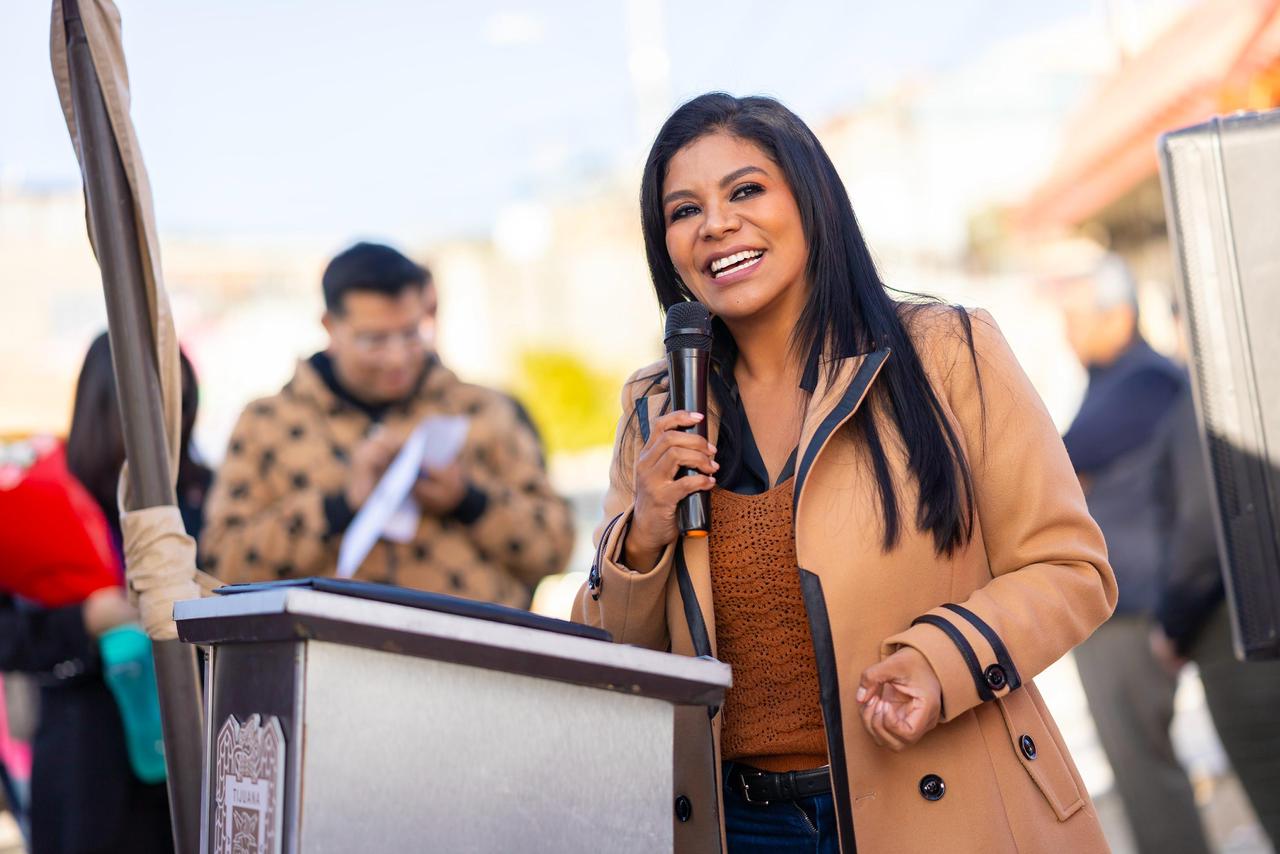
[440, 491]
[368, 461]
[105, 609]
[901, 699]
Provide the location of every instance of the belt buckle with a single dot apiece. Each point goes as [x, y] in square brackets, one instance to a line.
[746, 790]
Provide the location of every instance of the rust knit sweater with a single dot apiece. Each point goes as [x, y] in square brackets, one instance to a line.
[772, 714]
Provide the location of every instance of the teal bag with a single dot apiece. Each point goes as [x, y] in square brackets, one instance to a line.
[130, 673]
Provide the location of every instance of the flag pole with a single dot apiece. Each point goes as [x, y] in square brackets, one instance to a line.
[113, 223]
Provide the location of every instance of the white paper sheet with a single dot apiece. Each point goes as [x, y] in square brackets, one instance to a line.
[433, 444]
[402, 527]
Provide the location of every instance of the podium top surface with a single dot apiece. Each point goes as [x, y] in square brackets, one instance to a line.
[294, 614]
[424, 600]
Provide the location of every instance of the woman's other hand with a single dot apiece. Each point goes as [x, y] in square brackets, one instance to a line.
[105, 609]
[653, 525]
[901, 699]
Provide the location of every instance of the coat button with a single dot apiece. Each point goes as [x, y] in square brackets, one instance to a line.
[996, 677]
[1028, 745]
[932, 787]
[684, 808]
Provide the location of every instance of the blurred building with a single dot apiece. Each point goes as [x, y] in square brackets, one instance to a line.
[244, 311]
[1218, 57]
[932, 164]
[564, 274]
[47, 305]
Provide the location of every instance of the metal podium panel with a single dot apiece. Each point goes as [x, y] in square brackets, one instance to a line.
[579, 766]
[345, 724]
[244, 681]
[1221, 182]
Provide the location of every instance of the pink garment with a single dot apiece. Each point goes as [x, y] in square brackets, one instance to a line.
[14, 754]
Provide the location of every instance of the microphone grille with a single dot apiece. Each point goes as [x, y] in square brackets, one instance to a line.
[688, 326]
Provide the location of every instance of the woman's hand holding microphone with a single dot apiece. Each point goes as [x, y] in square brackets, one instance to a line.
[653, 523]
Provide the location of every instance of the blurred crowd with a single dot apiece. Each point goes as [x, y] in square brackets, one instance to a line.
[301, 463]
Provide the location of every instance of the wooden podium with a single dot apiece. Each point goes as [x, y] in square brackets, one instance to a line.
[342, 723]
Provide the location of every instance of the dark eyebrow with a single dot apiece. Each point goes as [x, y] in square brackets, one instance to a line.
[724, 183]
[733, 176]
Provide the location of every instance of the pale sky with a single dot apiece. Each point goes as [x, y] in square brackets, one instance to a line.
[420, 120]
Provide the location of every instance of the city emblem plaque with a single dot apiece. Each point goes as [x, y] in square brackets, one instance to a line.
[249, 780]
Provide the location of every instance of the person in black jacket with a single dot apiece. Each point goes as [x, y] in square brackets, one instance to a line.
[85, 798]
[1193, 623]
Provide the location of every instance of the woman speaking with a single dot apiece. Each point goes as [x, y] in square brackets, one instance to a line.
[897, 542]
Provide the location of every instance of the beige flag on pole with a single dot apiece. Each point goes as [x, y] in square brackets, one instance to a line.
[159, 556]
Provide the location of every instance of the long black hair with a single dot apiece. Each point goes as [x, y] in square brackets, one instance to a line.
[848, 310]
[95, 441]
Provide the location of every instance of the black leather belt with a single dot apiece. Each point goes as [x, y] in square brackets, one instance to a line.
[763, 787]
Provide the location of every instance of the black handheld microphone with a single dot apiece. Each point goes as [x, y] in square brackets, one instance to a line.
[688, 342]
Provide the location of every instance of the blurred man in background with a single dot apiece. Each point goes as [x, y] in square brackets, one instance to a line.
[301, 463]
[1116, 444]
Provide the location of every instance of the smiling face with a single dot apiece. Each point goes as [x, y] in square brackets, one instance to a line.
[733, 229]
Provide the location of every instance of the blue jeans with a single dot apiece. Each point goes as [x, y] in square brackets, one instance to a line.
[804, 825]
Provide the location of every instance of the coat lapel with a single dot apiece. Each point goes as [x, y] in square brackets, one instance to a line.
[837, 397]
[653, 406]
[833, 403]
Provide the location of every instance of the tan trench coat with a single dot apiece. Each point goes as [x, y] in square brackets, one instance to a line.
[1031, 584]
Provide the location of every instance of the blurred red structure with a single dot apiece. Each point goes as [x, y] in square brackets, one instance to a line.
[56, 543]
[1221, 56]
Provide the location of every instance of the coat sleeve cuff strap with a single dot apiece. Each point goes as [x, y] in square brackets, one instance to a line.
[1011, 675]
[961, 656]
[964, 648]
